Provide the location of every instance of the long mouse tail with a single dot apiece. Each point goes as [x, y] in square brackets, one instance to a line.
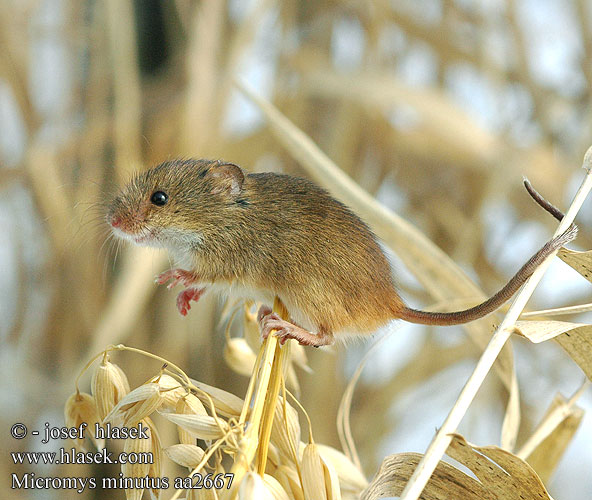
[493, 303]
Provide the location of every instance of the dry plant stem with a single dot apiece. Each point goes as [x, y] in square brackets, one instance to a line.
[126, 81]
[440, 443]
[559, 311]
[552, 421]
[277, 376]
[259, 405]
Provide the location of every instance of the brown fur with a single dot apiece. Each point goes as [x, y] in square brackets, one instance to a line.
[282, 234]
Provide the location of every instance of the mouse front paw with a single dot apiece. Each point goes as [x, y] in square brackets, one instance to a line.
[176, 276]
[186, 296]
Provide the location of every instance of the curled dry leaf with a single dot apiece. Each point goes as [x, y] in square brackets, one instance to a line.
[580, 261]
[227, 404]
[313, 474]
[447, 482]
[136, 405]
[253, 487]
[239, 356]
[189, 405]
[109, 384]
[186, 455]
[80, 407]
[575, 338]
[545, 457]
[140, 469]
[504, 474]
[500, 475]
[201, 426]
[351, 479]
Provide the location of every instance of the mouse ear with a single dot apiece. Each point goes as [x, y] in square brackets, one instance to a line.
[226, 177]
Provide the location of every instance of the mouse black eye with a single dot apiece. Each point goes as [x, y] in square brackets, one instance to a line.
[159, 198]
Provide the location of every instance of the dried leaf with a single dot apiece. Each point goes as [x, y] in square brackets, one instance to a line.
[446, 483]
[545, 457]
[504, 474]
[580, 261]
[575, 338]
[500, 475]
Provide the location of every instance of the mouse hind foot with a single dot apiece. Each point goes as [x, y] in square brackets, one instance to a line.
[284, 330]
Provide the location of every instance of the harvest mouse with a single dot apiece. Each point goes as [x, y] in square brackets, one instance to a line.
[270, 234]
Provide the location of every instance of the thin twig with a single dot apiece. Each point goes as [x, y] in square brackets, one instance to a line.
[443, 437]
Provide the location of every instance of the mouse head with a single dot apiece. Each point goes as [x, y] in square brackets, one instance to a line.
[176, 203]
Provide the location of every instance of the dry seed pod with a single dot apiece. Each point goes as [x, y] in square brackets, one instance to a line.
[201, 426]
[80, 407]
[239, 356]
[155, 470]
[137, 470]
[190, 405]
[279, 437]
[186, 455]
[275, 487]
[135, 406]
[288, 478]
[109, 384]
[350, 477]
[251, 330]
[202, 494]
[227, 404]
[331, 480]
[253, 487]
[274, 458]
[171, 390]
[313, 474]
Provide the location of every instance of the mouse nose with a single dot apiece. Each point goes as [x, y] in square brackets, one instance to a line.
[115, 221]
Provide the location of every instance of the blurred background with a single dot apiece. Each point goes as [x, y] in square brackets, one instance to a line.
[436, 107]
